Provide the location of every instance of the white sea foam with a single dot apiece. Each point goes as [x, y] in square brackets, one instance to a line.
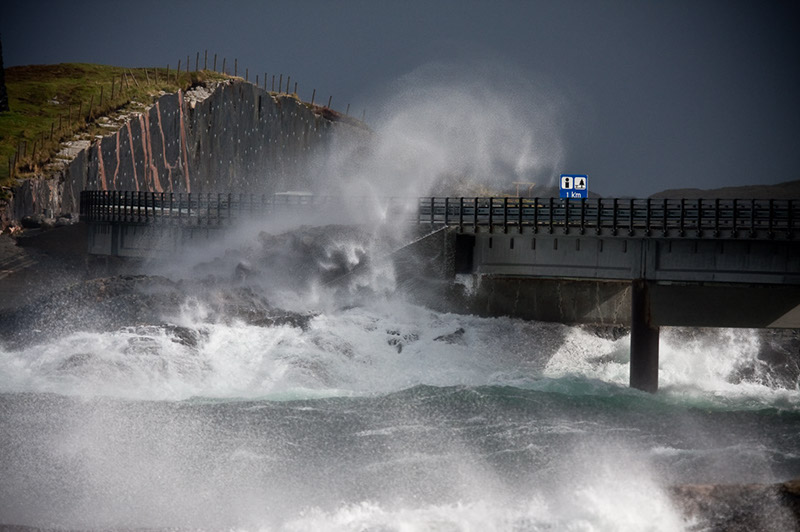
[383, 347]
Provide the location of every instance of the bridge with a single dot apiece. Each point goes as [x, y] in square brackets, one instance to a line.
[645, 263]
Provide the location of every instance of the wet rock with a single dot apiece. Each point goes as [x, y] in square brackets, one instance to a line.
[740, 508]
[456, 337]
[607, 332]
[183, 335]
[398, 340]
[32, 222]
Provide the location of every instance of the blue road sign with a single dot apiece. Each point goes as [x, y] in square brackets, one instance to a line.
[574, 186]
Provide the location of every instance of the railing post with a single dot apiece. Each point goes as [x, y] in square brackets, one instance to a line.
[735, 228]
[771, 220]
[535, 215]
[682, 217]
[433, 203]
[550, 230]
[566, 203]
[475, 215]
[647, 219]
[583, 216]
[446, 210]
[630, 218]
[664, 215]
[716, 217]
[505, 214]
[491, 214]
[461, 214]
[614, 218]
[699, 217]
[599, 229]
[752, 218]
[519, 213]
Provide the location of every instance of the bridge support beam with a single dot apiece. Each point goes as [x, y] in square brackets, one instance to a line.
[644, 340]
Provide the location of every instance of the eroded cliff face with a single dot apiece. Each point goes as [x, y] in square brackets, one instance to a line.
[231, 138]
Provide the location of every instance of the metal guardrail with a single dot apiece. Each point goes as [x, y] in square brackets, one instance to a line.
[167, 208]
[693, 218]
[690, 218]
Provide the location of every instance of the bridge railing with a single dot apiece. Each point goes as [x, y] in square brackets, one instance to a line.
[698, 218]
[691, 218]
[187, 209]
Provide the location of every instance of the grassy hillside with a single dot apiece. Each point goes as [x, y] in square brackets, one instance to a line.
[51, 103]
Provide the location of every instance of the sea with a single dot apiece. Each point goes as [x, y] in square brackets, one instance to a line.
[374, 413]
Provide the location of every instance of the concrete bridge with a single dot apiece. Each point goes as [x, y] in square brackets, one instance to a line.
[637, 262]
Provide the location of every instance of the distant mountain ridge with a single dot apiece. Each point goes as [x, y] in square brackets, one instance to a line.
[787, 190]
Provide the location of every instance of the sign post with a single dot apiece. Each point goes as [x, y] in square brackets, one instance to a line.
[574, 186]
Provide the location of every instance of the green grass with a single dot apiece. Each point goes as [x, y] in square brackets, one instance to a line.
[50, 103]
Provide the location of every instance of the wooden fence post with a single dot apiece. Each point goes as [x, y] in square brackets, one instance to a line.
[205, 60]
[280, 83]
[295, 87]
[330, 98]
[235, 67]
[223, 65]
[197, 62]
[215, 62]
[288, 83]
[313, 95]
[273, 83]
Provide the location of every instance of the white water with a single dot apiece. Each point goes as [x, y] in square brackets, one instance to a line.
[384, 347]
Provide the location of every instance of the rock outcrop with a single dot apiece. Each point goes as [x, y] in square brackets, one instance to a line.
[232, 137]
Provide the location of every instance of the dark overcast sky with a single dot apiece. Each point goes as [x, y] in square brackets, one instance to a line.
[661, 94]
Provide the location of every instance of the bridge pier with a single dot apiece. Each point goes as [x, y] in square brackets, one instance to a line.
[644, 340]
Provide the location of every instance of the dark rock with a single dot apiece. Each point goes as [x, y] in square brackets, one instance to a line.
[456, 337]
[183, 335]
[744, 507]
[399, 340]
[32, 222]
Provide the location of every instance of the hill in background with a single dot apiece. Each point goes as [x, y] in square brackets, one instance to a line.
[787, 190]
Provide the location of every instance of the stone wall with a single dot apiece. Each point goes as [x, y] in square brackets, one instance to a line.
[232, 138]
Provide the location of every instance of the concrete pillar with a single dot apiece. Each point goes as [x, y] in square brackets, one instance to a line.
[644, 340]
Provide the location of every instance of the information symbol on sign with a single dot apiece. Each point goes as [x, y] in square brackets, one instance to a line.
[574, 186]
